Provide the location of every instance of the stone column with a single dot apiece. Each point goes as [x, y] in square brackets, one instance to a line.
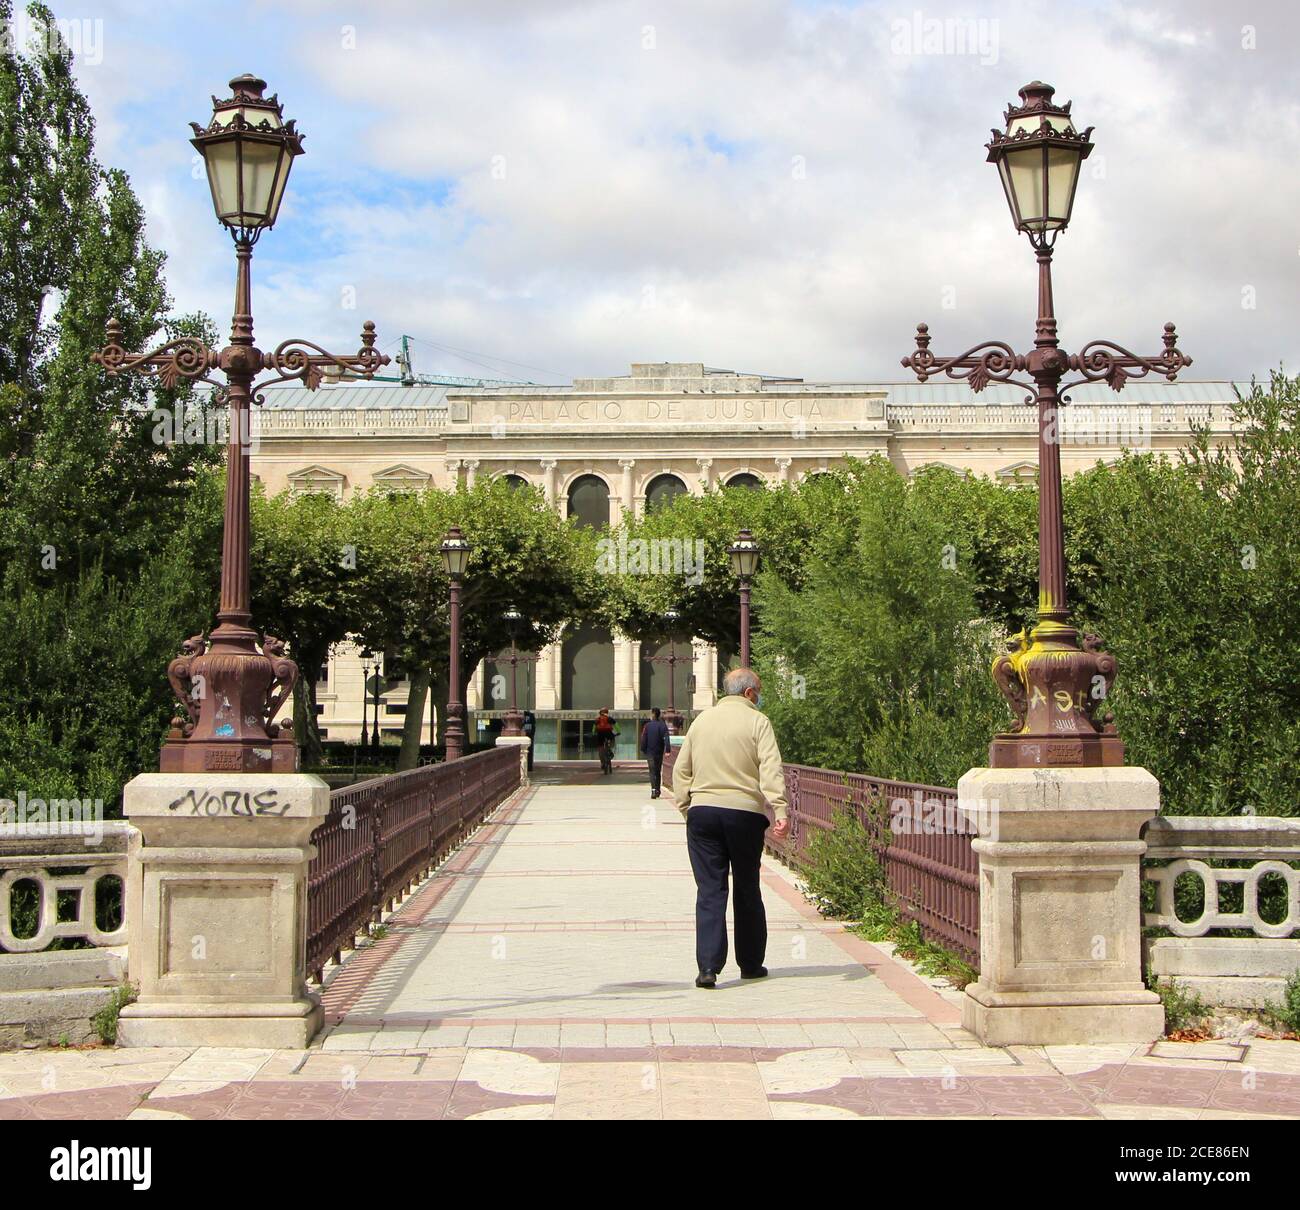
[548, 481]
[706, 474]
[548, 681]
[705, 668]
[471, 471]
[624, 684]
[783, 470]
[1060, 875]
[216, 909]
[453, 472]
[627, 501]
[634, 656]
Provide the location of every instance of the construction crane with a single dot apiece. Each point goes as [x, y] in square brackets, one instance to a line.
[410, 378]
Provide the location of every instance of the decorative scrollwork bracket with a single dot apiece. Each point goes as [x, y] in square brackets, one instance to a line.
[1105, 361]
[185, 358]
[303, 361]
[982, 364]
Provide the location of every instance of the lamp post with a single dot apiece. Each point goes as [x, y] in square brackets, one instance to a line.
[455, 558]
[229, 684]
[514, 721]
[1054, 685]
[672, 659]
[376, 687]
[745, 554]
[365, 699]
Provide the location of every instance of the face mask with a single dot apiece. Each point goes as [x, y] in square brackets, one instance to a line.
[757, 701]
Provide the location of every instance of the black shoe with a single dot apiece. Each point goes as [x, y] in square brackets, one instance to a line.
[706, 979]
[760, 973]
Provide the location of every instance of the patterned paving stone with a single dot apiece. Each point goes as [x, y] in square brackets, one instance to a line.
[111, 1104]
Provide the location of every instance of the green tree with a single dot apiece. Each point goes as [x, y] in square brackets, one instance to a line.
[879, 662]
[82, 478]
[100, 581]
[305, 590]
[523, 555]
[1198, 597]
[643, 585]
[991, 529]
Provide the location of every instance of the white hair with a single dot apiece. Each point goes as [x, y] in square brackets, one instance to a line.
[739, 680]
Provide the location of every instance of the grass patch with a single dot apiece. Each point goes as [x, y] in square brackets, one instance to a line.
[1185, 1011]
[105, 1021]
[1284, 1015]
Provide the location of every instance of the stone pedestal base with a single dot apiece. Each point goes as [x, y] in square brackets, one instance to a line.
[1032, 1023]
[523, 743]
[1060, 940]
[213, 1023]
[217, 909]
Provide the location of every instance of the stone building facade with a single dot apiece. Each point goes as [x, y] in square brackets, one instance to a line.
[605, 447]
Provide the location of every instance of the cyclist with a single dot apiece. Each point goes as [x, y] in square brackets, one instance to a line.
[605, 735]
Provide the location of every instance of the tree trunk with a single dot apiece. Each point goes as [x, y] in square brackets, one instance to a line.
[306, 726]
[468, 669]
[438, 688]
[413, 727]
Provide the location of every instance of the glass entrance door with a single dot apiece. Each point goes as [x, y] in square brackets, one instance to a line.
[578, 739]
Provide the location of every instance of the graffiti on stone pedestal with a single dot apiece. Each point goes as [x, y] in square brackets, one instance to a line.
[214, 803]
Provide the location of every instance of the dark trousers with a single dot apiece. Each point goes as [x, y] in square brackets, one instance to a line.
[656, 762]
[722, 839]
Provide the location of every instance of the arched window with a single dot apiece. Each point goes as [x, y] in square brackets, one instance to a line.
[589, 502]
[746, 480]
[587, 670]
[661, 490]
[515, 480]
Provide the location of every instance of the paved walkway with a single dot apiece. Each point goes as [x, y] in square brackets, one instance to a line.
[547, 970]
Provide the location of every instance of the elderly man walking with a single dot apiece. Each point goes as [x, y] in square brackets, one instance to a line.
[726, 770]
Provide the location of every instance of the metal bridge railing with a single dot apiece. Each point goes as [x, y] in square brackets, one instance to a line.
[382, 836]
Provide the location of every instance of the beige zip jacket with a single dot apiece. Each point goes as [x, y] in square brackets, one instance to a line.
[730, 759]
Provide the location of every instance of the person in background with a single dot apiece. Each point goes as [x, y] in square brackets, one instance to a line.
[726, 770]
[530, 730]
[605, 733]
[654, 743]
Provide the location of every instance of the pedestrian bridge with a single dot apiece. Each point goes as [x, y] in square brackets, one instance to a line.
[535, 959]
[568, 919]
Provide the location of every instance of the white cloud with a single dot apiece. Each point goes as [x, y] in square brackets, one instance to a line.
[746, 182]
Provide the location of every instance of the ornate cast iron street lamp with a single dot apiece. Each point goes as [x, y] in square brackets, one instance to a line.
[1055, 685]
[745, 555]
[230, 685]
[672, 659]
[455, 558]
[514, 721]
[365, 700]
[376, 683]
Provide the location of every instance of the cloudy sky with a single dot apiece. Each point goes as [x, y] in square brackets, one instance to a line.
[543, 189]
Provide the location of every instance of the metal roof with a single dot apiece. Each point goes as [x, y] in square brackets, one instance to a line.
[334, 397]
[1092, 392]
[380, 396]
